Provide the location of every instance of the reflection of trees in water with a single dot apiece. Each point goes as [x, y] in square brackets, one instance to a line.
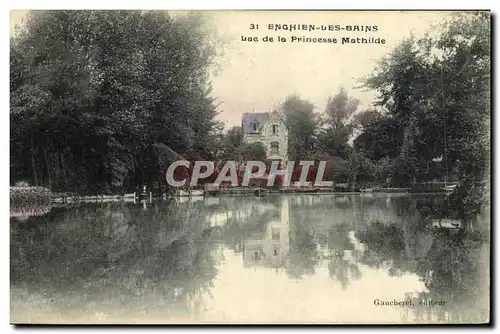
[121, 250]
[449, 266]
[237, 219]
[253, 226]
[453, 272]
[342, 270]
[312, 228]
[238, 229]
[312, 241]
[401, 242]
[24, 212]
[386, 243]
[303, 255]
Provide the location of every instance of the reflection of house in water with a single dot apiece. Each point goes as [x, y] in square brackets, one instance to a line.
[271, 248]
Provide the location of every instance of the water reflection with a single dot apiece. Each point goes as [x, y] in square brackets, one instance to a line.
[270, 248]
[309, 258]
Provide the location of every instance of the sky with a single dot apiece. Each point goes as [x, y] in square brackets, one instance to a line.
[257, 76]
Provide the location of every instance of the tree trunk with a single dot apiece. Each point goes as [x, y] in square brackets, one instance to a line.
[63, 168]
[33, 165]
[47, 165]
[57, 167]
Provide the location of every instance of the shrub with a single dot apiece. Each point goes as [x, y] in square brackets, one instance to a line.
[29, 195]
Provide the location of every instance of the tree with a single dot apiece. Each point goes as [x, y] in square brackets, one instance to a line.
[302, 125]
[379, 139]
[252, 152]
[360, 168]
[339, 109]
[337, 126]
[366, 119]
[90, 102]
[436, 94]
[230, 143]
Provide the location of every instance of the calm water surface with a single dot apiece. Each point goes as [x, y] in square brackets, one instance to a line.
[300, 258]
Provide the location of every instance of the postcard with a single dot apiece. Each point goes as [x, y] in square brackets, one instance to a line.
[250, 167]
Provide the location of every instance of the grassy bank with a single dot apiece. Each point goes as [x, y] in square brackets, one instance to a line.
[21, 196]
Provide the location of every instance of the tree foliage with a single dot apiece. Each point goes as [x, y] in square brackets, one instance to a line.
[436, 97]
[302, 124]
[96, 96]
[430, 121]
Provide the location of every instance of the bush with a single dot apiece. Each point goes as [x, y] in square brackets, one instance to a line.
[29, 195]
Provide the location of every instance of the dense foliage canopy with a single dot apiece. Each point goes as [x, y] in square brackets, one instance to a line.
[100, 100]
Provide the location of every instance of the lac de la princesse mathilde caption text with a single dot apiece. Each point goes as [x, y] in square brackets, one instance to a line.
[291, 34]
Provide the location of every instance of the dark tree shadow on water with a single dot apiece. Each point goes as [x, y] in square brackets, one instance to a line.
[122, 254]
[452, 265]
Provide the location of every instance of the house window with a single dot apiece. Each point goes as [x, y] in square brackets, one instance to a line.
[275, 147]
[254, 126]
[275, 129]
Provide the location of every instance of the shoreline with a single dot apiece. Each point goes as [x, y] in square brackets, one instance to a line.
[119, 199]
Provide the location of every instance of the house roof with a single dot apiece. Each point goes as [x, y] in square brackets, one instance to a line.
[260, 117]
[249, 118]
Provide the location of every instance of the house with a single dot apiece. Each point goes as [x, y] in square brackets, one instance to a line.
[268, 129]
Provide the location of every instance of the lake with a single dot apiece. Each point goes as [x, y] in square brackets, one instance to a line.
[361, 258]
